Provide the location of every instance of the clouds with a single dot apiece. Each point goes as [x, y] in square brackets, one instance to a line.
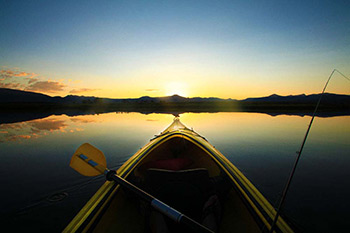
[82, 90]
[152, 90]
[8, 73]
[21, 80]
[15, 79]
[46, 86]
[32, 80]
[21, 74]
[10, 85]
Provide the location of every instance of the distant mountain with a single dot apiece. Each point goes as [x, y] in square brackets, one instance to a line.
[17, 106]
[16, 96]
[327, 98]
[77, 99]
[174, 99]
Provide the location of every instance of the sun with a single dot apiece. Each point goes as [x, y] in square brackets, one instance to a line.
[176, 88]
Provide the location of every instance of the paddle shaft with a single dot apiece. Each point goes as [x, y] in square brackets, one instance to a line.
[159, 205]
[154, 202]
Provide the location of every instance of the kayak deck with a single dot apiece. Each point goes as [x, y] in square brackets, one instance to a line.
[126, 213]
[183, 170]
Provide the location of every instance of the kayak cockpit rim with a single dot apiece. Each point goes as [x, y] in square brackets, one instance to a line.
[253, 199]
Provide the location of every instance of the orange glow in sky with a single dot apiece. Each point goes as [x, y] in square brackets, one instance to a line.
[229, 49]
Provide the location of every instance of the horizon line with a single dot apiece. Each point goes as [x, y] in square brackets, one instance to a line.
[52, 96]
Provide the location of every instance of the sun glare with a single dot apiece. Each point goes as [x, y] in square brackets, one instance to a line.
[176, 88]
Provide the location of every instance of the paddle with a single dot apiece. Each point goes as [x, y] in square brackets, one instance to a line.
[90, 161]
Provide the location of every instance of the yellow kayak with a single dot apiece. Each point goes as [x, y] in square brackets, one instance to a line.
[183, 170]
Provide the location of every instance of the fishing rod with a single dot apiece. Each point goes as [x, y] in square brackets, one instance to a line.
[285, 191]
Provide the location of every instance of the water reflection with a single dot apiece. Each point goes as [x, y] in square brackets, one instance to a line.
[261, 146]
[17, 132]
[220, 128]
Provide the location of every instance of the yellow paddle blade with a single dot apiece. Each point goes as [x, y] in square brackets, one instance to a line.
[88, 160]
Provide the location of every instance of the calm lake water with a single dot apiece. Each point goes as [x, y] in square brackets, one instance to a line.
[41, 193]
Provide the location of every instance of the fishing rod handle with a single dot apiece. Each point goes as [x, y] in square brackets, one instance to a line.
[179, 217]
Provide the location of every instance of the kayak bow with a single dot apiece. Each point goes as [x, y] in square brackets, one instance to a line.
[182, 169]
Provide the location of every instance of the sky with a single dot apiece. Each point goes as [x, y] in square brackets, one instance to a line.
[226, 49]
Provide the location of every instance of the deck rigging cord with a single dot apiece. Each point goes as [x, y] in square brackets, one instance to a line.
[285, 191]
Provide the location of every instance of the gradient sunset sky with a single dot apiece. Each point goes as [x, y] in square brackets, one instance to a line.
[227, 49]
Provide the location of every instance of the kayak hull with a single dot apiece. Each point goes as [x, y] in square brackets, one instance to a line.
[245, 208]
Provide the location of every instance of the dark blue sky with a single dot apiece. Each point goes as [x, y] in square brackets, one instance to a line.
[244, 43]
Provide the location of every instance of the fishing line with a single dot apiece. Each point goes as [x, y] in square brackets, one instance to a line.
[285, 191]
